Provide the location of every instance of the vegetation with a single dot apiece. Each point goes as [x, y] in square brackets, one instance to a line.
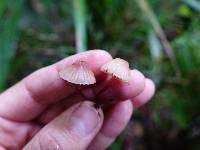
[161, 38]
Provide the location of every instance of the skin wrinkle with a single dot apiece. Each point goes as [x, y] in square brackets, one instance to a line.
[66, 130]
[34, 98]
[58, 81]
[65, 104]
[51, 111]
[29, 136]
[5, 130]
[53, 84]
[55, 142]
[25, 131]
[35, 130]
[71, 137]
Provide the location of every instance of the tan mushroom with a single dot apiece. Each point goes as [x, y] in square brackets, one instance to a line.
[118, 68]
[78, 73]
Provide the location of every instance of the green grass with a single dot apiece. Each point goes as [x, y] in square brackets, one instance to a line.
[80, 22]
[9, 36]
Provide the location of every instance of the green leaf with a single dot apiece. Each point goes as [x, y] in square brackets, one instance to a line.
[184, 10]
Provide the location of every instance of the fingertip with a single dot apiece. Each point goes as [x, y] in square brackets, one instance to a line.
[115, 121]
[135, 71]
[100, 53]
[146, 95]
[138, 79]
[123, 109]
[135, 86]
[150, 84]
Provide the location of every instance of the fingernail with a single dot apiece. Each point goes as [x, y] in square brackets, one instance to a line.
[84, 119]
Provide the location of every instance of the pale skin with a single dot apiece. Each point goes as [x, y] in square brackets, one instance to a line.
[44, 112]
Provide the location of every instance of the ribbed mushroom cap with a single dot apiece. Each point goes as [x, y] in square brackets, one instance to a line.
[118, 68]
[78, 73]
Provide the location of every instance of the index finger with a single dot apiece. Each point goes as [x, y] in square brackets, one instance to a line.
[28, 98]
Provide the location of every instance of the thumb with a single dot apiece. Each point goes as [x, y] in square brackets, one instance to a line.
[74, 129]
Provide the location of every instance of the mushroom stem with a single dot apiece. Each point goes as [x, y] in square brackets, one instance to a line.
[104, 87]
[98, 101]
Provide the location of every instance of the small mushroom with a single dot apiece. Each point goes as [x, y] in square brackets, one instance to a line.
[118, 68]
[78, 73]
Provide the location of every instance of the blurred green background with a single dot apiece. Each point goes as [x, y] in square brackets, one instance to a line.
[161, 38]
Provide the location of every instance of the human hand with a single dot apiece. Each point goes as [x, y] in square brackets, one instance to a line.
[43, 112]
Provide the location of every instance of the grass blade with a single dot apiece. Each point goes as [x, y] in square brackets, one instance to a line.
[80, 24]
[157, 56]
[193, 3]
[160, 33]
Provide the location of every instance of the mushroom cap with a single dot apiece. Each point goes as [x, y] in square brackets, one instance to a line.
[118, 68]
[78, 73]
